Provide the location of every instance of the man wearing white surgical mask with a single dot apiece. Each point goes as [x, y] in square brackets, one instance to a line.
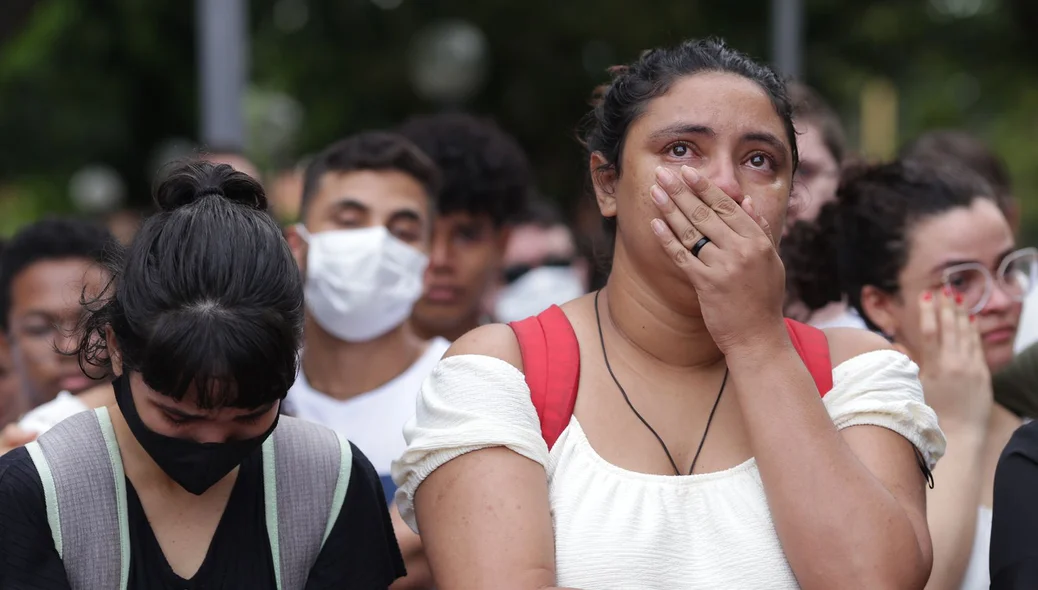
[541, 266]
[366, 220]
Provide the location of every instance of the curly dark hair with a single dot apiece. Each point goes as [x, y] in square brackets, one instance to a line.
[862, 237]
[485, 171]
[208, 294]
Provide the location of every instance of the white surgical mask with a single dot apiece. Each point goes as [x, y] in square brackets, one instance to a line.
[536, 291]
[361, 283]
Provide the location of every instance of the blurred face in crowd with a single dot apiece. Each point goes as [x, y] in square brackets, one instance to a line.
[531, 246]
[723, 125]
[464, 265]
[817, 176]
[541, 268]
[368, 198]
[45, 312]
[12, 402]
[963, 238]
[236, 161]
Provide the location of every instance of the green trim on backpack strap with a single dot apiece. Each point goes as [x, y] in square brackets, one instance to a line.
[50, 492]
[121, 509]
[342, 484]
[270, 501]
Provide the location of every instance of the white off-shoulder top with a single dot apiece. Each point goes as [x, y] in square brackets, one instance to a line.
[615, 528]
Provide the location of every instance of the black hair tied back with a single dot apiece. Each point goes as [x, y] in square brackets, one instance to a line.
[208, 301]
[184, 183]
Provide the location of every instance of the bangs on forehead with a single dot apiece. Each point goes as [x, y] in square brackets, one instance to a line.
[219, 364]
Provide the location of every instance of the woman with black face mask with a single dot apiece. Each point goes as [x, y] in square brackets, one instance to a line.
[192, 480]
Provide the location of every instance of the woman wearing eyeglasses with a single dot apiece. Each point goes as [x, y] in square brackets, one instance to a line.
[928, 259]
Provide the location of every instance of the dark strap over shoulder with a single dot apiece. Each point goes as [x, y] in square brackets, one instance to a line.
[551, 364]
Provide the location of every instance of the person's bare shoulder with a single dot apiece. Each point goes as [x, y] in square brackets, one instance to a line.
[847, 343]
[496, 340]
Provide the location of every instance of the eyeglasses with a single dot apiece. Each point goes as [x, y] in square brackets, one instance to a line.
[1016, 277]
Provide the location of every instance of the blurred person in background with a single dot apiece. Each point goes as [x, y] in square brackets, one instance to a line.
[1014, 544]
[534, 463]
[123, 224]
[823, 147]
[366, 224]
[286, 193]
[486, 181]
[233, 158]
[542, 266]
[13, 402]
[367, 219]
[45, 270]
[963, 148]
[931, 262]
[200, 329]
[1016, 385]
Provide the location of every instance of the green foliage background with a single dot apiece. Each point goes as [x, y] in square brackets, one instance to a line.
[105, 81]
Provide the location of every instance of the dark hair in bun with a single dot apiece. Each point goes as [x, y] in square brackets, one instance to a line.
[207, 301]
[185, 182]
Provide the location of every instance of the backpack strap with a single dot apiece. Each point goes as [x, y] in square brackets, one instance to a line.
[84, 487]
[306, 473]
[813, 347]
[551, 363]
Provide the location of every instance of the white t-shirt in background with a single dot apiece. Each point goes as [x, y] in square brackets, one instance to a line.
[374, 420]
[45, 416]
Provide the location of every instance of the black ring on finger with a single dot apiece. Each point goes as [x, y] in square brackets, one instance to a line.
[703, 241]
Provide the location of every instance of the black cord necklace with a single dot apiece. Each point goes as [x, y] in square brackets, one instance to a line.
[702, 441]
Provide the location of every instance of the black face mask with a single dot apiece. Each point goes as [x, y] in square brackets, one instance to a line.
[195, 466]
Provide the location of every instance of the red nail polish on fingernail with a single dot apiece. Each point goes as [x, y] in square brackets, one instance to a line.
[973, 318]
[928, 296]
[958, 298]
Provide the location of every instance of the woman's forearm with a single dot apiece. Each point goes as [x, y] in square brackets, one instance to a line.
[840, 525]
[952, 504]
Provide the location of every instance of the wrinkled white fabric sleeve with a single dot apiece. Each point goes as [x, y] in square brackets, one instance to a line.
[882, 388]
[469, 402]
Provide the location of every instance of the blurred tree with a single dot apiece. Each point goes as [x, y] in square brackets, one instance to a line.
[107, 80]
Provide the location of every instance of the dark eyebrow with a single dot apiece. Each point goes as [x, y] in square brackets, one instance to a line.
[405, 215]
[350, 203]
[951, 263]
[768, 139]
[682, 129]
